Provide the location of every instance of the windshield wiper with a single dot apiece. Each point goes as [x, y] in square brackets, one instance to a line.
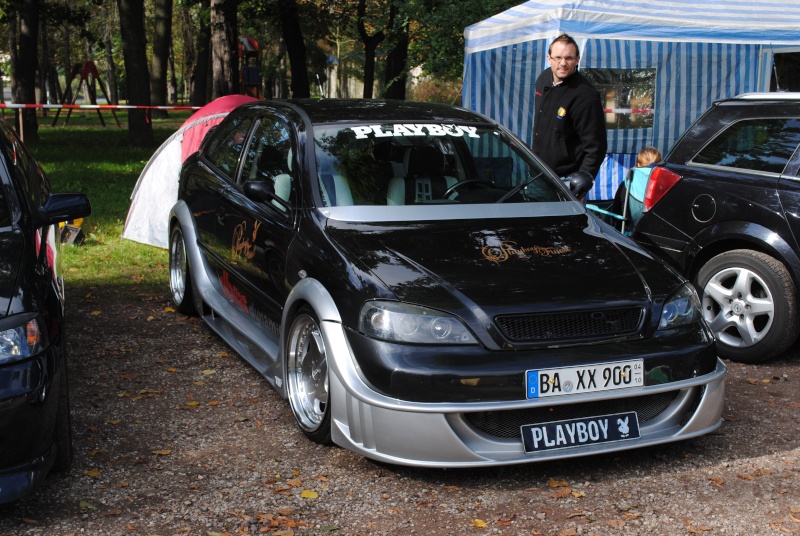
[513, 191]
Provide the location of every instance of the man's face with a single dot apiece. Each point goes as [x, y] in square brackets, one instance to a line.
[563, 60]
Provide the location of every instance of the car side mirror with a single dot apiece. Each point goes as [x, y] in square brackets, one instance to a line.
[259, 191]
[63, 207]
[579, 183]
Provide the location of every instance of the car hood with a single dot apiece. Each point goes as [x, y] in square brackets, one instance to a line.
[516, 265]
[11, 251]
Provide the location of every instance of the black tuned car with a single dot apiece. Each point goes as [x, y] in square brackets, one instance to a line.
[35, 428]
[424, 291]
[723, 207]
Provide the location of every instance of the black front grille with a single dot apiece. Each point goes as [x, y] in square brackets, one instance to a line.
[506, 424]
[541, 327]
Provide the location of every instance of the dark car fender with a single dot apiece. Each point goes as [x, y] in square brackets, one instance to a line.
[728, 235]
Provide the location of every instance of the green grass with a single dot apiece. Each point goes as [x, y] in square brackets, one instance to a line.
[84, 156]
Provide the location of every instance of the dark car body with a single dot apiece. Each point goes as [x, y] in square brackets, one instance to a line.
[35, 429]
[424, 291]
[723, 208]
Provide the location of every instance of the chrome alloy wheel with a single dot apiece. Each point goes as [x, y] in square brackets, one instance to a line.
[307, 376]
[178, 267]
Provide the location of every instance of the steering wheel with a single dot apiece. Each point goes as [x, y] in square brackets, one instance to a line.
[456, 186]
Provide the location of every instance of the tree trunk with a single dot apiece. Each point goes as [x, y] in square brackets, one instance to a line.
[111, 69]
[172, 87]
[395, 79]
[224, 44]
[137, 79]
[198, 94]
[371, 43]
[162, 39]
[295, 47]
[23, 68]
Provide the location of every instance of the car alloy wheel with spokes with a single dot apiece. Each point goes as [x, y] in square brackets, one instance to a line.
[749, 303]
[307, 377]
[180, 284]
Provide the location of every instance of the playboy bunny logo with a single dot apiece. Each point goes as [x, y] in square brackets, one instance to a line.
[622, 426]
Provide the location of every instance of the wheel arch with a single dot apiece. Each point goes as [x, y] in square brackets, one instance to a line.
[180, 215]
[307, 292]
[727, 236]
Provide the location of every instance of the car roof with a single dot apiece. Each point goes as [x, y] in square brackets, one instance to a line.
[320, 111]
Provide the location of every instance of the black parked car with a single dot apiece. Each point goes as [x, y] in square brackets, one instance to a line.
[724, 207]
[35, 429]
[424, 291]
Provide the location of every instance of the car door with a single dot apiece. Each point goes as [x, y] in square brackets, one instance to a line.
[211, 182]
[789, 183]
[258, 231]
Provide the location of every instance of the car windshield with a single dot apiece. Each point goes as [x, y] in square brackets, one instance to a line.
[413, 164]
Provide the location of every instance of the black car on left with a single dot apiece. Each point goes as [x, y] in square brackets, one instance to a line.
[35, 426]
[425, 291]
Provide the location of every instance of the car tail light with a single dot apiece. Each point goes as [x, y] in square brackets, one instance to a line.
[659, 183]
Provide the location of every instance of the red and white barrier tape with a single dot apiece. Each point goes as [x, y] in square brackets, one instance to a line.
[96, 107]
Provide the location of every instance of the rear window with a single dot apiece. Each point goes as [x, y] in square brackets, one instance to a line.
[764, 144]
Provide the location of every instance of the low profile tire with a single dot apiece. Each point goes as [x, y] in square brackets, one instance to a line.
[750, 302]
[307, 377]
[180, 281]
[63, 429]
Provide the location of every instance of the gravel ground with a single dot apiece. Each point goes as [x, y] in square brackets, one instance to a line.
[176, 435]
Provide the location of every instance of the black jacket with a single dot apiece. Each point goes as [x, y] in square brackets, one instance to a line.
[569, 130]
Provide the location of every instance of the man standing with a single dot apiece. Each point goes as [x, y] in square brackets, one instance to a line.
[569, 122]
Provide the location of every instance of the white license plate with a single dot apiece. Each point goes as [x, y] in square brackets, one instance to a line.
[584, 379]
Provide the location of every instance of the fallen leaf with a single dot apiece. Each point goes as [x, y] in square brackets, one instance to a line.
[93, 472]
[295, 482]
[113, 421]
[698, 530]
[213, 403]
[172, 369]
[308, 494]
[223, 354]
[150, 318]
[561, 493]
[578, 494]
[193, 403]
[208, 372]
[616, 523]
[88, 506]
[745, 477]
[480, 523]
[169, 310]
[717, 481]
[95, 313]
[165, 452]
[557, 483]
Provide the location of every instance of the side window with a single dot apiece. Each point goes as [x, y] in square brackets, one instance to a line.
[225, 148]
[756, 145]
[270, 157]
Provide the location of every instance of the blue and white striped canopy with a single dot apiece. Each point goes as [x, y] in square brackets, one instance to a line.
[701, 51]
[774, 22]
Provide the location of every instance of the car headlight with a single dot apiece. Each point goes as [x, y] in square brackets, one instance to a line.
[22, 341]
[402, 322]
[681, 309]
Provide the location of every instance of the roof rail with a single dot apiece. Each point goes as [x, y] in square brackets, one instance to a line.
[769, 95]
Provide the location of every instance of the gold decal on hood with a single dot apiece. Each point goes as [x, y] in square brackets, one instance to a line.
[506, 250]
